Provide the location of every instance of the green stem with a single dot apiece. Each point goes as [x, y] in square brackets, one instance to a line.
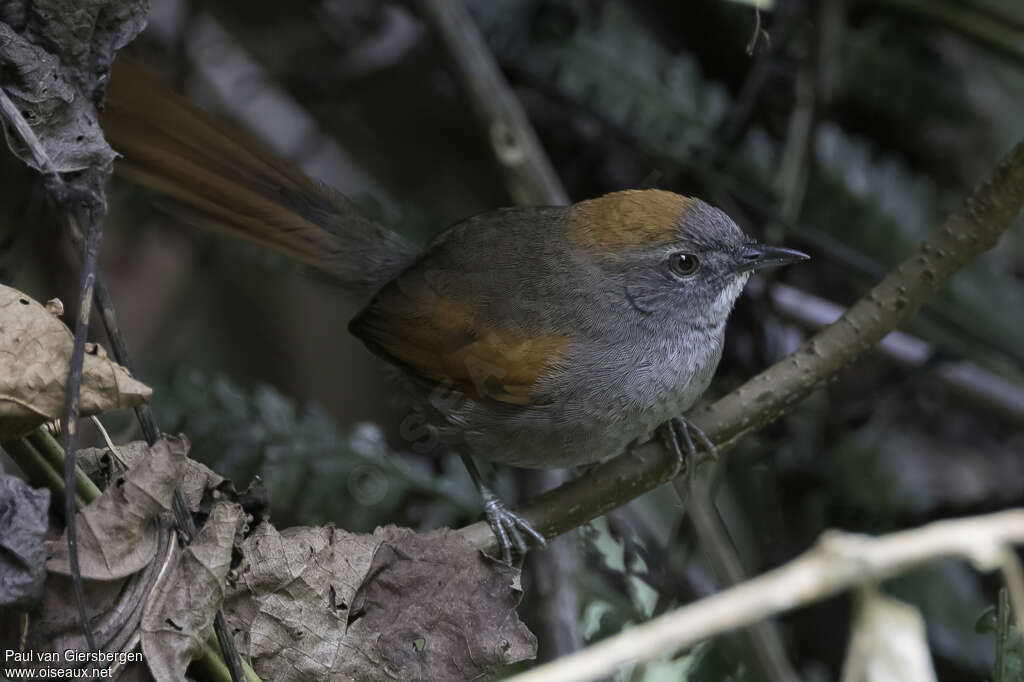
[212, 661]
[213, 664]
[37, 468]
[54, 454]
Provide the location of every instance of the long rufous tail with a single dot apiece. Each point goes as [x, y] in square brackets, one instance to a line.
[237, 185]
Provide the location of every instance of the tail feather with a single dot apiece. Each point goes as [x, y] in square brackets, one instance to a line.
[240, 187]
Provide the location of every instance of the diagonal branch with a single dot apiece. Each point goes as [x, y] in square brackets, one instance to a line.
[976, 227]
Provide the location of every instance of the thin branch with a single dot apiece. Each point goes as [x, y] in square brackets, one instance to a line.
[94, 234]
[92, 211]
[758, 32]
[837, 562]
[763, 636]
[528, 174]
[1013, 575]
[553, 571]
[151, 431]
[1000, 672]
[973, 229]
[966, 380]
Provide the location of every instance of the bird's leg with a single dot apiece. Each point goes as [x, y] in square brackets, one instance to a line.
[507, 526]
[680, 427]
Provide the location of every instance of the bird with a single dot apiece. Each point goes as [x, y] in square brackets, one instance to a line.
[533, 336]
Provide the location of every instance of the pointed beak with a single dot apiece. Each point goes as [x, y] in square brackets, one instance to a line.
[755, 256]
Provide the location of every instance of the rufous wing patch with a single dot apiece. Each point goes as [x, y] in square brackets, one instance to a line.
[440, 339]
[632, 218]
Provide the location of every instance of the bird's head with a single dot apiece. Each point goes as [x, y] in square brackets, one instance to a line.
[675, 257]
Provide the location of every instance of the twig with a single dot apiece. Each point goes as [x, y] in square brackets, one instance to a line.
[93, 235]
[553, 570]
[973, 229]
[92, 210]
[1014, 577]
[758, 32]
[764, 637]
[838, 561]
[791, 180]
[964, 379]
[151, 432]
[1000, 673]
[528, 173]
[114, 451]
[737, 120]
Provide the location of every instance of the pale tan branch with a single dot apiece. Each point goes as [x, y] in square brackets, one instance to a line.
[837, 562]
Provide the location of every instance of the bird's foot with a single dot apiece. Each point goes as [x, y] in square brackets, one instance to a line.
[508, 526]
[676, 433]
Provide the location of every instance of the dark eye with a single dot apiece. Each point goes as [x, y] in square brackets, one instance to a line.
[683, 264]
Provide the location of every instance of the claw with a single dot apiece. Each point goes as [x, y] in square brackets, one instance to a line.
[508, 527]
[671, 432]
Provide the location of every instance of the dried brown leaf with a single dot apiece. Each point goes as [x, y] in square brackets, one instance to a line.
[292, 598]
[435, 608]
[197, 479]
[35, 349]
[117, 534]
[323, 603]
[180, 610]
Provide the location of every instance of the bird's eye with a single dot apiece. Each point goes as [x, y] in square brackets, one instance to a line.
[683, 264]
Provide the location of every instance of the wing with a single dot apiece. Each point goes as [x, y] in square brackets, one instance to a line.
[441, 321]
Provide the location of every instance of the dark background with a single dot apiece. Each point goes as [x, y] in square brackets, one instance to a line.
[852, 130]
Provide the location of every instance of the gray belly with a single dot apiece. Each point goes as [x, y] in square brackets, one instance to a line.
[597, 419]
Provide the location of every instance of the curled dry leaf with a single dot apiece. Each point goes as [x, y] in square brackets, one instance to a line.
[323, 603]
[55, 307]
[200, 485]
[35, 349]
[117, 534]
[181, 608]
[55, 58]
[24, 516]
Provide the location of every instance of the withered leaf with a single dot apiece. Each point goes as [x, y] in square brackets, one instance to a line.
[35, 349]
[117, 534]
[200, 485]
[292, 599]
[434, 608]
[180, 610]
[55, 57]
